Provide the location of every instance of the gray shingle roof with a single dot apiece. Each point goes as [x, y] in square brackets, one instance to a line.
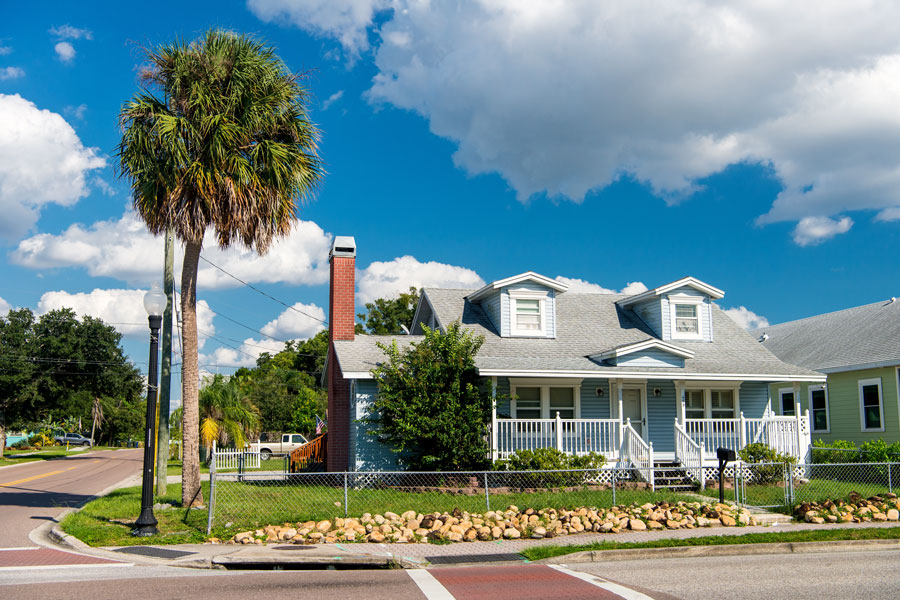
[587, 324]
[842, 340]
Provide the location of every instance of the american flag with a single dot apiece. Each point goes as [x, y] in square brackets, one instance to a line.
[319, 425]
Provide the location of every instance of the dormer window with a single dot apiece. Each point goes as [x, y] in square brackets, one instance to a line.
[685, 312]
[528, 315]
[528, 312]
[686, 320]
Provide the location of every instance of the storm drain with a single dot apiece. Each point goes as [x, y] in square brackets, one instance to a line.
[474, 558]
[154, 552]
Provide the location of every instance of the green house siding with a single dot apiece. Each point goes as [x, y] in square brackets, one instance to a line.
[843, 405]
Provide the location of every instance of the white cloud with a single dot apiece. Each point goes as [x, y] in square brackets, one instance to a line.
[76, 111]
[42, 161]
[67, 32]
[65, 51]
[121, 248]
[889, 214]
[4, 50]
[746, 318]
[815, 230]
[580, 286]
[345, 20]
[244, 355]
[121, 308]
[332, 99]
[4, 307]
[389, 279]
[565, 97]
[299, 322]
[11, 73]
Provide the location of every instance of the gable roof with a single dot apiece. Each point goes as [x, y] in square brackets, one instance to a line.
[588, 324]
[527, 276]
[649, 344]
[713, 292]
[855, 338]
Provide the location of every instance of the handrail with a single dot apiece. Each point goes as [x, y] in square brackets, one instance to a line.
[689, 453]
[636, 453]
[312, 451]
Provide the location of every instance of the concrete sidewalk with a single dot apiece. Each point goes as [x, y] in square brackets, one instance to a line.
[369, 555]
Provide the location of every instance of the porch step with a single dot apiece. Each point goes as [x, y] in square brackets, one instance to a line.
[671, 476]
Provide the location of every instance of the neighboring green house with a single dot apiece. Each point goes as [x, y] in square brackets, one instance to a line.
[859, 350]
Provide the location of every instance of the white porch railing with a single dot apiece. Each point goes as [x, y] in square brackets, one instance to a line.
[690, 454]
[786, 435]
[572, 436]
[636, 453]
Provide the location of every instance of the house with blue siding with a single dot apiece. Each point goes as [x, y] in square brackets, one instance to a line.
[664, 376]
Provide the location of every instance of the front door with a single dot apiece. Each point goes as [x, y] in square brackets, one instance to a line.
[632, 408]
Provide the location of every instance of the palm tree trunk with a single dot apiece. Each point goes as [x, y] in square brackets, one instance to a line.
[190, 379]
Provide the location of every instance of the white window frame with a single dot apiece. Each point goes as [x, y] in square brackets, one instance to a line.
[781, 393]
[545, 385]
[707, 389]
[862, 413]
[543, 300]
[812, 412]
[684, 299]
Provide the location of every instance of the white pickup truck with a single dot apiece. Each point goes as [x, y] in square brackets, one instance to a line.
[288, 443]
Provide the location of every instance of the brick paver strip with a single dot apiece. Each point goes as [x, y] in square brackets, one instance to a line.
[45, 557]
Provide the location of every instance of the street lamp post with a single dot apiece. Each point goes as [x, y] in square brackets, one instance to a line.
[155, 303]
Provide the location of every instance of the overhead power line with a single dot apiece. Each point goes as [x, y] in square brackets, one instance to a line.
[259, 291]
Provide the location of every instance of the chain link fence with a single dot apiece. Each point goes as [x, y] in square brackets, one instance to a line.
[247, 500]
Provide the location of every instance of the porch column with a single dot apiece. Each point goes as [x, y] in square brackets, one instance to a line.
[797, 416]
[494, 453]
[619, 400]
[679, 402]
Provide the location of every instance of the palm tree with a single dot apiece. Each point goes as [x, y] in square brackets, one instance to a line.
[226, 415]
[218, 138]
[96, 417]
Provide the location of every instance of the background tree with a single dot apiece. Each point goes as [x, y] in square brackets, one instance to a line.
[430, 407]
[18, 395]
[388, 316]
[219, 138]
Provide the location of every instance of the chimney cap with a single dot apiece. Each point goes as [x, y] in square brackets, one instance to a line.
[344, 245]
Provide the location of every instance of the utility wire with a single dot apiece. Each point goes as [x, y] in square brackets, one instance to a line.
[259, 291]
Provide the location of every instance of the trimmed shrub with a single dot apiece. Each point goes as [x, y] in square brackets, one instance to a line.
[767, 465]
[551, 459]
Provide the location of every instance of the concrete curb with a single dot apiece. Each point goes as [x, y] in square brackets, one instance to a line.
[50, 534]
[722, 550]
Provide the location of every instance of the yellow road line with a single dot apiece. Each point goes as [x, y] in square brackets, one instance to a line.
[29, 478]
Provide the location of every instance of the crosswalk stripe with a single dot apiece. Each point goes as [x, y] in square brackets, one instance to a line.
[431, 587]
[622, 591]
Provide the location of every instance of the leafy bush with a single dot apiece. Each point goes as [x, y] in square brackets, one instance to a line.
[550, 459]
[844, 451]
[41, 439]
[21, 444]
[767, 464]
[431, 407]
[880, 451]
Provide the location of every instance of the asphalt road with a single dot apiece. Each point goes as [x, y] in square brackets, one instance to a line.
[873, 575]
[522, 582]
[36, 492]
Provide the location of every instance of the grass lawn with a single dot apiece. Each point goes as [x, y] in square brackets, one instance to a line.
[821, 535]
[273, 464]
[106, 521]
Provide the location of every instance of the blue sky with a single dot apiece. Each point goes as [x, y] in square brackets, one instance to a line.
[751, 146]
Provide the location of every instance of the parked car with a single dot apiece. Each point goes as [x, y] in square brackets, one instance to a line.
[287, 443]
[73, 439]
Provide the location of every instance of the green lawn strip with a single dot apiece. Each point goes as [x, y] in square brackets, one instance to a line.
[819, 535]
[815, 490]
[16, 457]
[106, 521]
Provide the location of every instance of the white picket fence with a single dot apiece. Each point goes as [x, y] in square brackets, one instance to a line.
[232, 459]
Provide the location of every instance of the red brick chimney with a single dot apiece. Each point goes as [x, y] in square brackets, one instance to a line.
[341, 324]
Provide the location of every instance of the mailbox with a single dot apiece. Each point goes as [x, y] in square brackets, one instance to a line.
[725, 455]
